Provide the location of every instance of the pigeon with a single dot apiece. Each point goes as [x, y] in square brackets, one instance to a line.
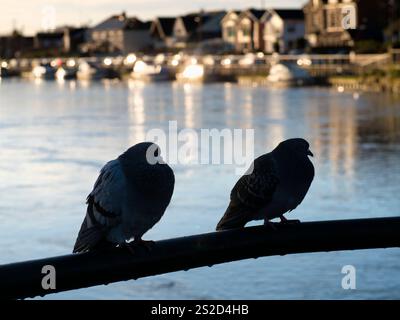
[276, 183]
[129, 197]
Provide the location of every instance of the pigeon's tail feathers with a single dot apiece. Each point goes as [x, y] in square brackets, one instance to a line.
[88, 239]
[89, 235]
[235, 217]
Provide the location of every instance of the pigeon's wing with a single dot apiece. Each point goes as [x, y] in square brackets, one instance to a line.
[251, 193]
[104, 207]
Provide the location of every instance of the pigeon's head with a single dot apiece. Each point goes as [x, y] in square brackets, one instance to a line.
[145, 152]
[298, 147]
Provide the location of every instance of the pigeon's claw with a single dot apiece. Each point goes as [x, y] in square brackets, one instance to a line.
[134, 245]
[146, 244]
[129, 247]
[270, 224]
[289, 222]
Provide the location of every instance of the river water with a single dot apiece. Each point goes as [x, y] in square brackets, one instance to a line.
[55, 137]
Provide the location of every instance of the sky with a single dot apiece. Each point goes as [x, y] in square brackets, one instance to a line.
[31, 16]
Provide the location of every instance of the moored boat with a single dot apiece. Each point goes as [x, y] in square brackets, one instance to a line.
[88, 70]
[151, 72]
[44, 71]
[288, 74]
[66, 73]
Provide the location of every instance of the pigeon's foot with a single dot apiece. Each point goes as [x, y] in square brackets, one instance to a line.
[270, 224]
[289, 222]
[129, 247]
[134, 245]
[147, 244]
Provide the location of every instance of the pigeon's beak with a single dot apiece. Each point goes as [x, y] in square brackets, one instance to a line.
[309, 153]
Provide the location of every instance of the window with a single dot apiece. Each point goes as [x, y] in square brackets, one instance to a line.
[291, 29]
[315, 20]
[246, 31]
[333, 18]
[230, 32]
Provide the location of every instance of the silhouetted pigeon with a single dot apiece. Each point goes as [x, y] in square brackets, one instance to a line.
[128, 199]
[277, 184]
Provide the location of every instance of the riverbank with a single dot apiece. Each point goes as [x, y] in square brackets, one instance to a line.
[365, 73]
[216, 67]
[374, 84]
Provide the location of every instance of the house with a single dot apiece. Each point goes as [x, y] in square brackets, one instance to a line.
[120, 34]
[62, 39]
[162, 32]
[137, 36]
[15, 45]
[283, 30]
[52, 41]
[184, 27]
[194, 28]
[74, 38]
[249, 31]
[229, 27]
[325, 21]
[210, 27]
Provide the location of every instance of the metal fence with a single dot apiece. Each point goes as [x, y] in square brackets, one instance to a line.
[24, 279]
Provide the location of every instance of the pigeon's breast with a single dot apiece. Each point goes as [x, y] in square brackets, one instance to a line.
[294, 182]
[139, 223]
[147, 200]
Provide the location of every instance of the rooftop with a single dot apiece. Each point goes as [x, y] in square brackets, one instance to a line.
[167, 24]
[290, 14]
[121, 22]
[258, 13]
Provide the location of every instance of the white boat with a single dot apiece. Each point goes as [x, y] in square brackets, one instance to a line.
[94, 71]
[191, 73]
[288, 74]
[44, 71]
[151, 72]
[198, 73]
[66, 73]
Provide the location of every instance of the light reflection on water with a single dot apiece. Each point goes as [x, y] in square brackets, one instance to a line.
[56, 136]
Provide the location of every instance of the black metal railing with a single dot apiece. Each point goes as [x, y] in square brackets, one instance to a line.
[24, 279]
